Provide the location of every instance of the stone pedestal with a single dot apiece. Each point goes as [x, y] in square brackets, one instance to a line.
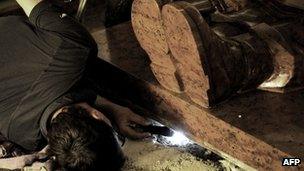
[254, 130]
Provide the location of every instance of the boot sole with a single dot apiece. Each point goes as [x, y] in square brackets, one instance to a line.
[148, 28]
[186, 45]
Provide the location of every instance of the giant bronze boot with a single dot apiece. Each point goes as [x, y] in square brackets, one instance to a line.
[148, 27]
[214, 68]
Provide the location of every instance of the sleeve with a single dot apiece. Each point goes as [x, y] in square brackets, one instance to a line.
[49, 17]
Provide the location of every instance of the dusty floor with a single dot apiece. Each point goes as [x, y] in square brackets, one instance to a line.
[146, 156]
[152, 156]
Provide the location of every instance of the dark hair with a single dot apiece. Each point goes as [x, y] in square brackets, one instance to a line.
[80, 142]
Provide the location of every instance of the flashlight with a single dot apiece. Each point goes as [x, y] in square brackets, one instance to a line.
[158, 130]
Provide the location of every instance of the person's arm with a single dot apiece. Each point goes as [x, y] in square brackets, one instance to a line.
[123, 117]
[28, 5]
[20, 162]
[16, 163]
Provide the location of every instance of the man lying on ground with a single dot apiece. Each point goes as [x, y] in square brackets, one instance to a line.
[42, 62]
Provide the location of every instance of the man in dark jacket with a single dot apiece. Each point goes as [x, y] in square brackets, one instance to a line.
[42, 60]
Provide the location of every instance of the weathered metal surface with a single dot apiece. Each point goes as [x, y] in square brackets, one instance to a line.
[256, 129]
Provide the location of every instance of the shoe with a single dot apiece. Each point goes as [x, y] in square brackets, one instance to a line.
[212, 68]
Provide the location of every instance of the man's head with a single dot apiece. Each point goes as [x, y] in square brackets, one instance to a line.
[80, 142]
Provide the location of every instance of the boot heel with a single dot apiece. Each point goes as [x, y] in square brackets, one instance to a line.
[187, 49]
[148, 27]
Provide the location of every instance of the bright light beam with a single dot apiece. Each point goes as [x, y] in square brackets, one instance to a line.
[178, 139]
